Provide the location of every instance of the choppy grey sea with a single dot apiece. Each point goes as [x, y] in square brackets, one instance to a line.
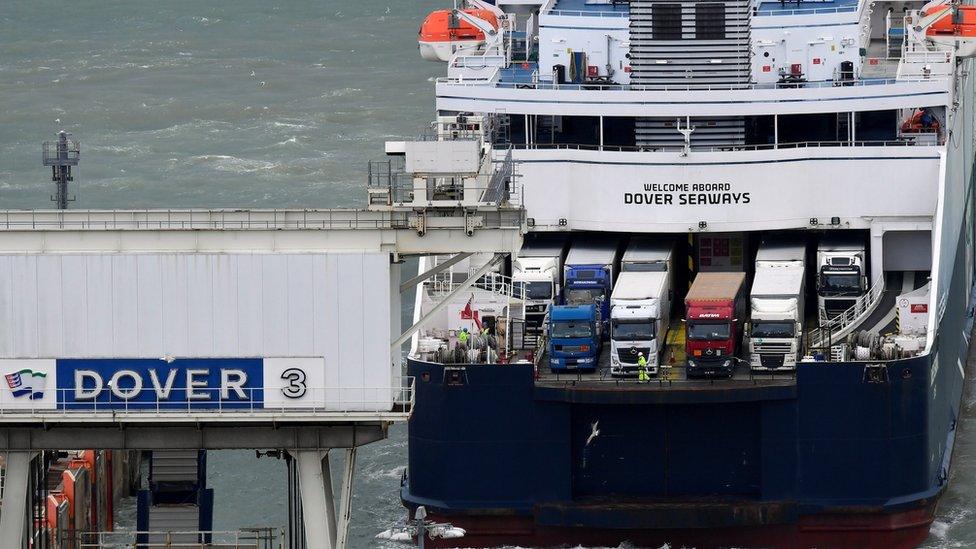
[250, 103]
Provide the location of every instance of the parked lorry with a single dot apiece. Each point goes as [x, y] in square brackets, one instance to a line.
[589, 274]
[538, 270]
[776, 306]
[640, 306]
[715, 307]
[575, 338]
[841, 277]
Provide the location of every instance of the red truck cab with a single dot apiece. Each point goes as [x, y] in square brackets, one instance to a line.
[715, 308]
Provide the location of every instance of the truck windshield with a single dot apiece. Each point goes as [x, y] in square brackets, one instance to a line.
[708, 331]
[772, 329]
[537, 290]
[841, 282]
[633, 331]
[571, 329]
[583, 296]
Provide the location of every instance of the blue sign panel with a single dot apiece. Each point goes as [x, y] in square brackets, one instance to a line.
[151, 384]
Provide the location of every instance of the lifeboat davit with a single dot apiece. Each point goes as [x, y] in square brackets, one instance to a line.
[955, 30]
[440, 40]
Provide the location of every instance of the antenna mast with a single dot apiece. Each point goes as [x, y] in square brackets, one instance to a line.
[61, 155]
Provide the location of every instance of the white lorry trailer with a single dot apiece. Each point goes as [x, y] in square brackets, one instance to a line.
[538, 269]
[776, 302]
[841, 278]
[640, 306]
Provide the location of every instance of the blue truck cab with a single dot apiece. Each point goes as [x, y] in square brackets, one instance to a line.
[589, 274]
[574, 337]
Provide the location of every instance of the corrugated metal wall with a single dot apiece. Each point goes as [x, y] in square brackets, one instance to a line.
[335, 306]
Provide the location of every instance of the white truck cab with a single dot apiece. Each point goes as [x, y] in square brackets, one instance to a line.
[640, 306]
[841, 277]
[538, 269]
[777, 306]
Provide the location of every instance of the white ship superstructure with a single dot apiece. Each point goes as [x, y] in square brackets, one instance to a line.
[722, 117]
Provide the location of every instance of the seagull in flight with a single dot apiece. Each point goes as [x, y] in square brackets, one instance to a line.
[595, 432]
[252, 74]
[57, 120]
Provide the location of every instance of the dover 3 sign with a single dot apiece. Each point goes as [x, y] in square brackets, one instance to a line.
[167, 384]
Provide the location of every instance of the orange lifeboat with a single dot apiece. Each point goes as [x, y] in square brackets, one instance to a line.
[442, 35]
[955, 29]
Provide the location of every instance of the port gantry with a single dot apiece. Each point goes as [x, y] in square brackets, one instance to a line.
[229, 329]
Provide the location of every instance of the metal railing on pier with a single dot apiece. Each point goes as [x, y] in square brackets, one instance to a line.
[247, 538]
[236, 403]
[498, 187]
[257, 220]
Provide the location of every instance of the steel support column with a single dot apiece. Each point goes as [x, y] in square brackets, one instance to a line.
[318, 502]
[13, 519]
[601, 133]
[345, 499]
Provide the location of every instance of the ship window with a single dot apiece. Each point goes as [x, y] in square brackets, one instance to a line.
[710, 21]
[666, 21]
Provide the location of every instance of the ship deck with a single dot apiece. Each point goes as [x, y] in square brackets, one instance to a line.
[784, 7]
[669, 376]
[672, 373]
[589, 8]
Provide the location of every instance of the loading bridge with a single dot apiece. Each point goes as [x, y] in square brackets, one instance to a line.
[140, 302]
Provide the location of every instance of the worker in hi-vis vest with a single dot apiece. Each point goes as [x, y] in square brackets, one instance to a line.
[463, 337]
[642, 376]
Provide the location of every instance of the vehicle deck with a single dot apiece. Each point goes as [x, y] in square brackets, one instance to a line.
[673, 372]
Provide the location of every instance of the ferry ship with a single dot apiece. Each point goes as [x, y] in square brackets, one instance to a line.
[742, 311]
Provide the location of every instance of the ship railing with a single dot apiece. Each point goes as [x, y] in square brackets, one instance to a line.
[833, 331]
[396, 398]
[251, 538]
[667, 378]
[549, 85]
[906, 142]
[590, 13]
[255, 220]
[467, 67]
[804, 11]
[598, 10]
